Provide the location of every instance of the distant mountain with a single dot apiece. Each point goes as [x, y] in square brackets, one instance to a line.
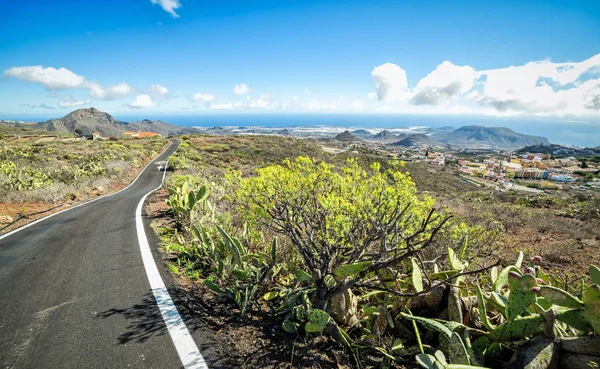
[284, 132]
[216, 131]
[93, 120]
[159, 126]
[491, 137]
[346, 136]
[384, 135]
[416, 140]
[363, 133]
[440, 130]
[559, 150]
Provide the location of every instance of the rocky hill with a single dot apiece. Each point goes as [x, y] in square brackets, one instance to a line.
[384, 135]
[363, 134]
[93, 120]
[346, 136]
[560, 150]
[284, 132]
[416, 140]
[489, 137]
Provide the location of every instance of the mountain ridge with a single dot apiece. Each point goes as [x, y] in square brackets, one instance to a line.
[481, 136]
[93, 120]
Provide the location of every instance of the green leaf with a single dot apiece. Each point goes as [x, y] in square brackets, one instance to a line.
[430, 324]
[211, 285]
[202, 193]
[575, 318]
[518, 328]
[439, 355]
[483, 309]
[591, 300]
[457, 352]
[289, 326]
[242, 275]
[302, 276]
[499, 299]
[173, 269]
[417, 277]
[502, 279]
[519, 259]
[233, 246]
[594, 274]
[318, 317]
[329, 281]
[560, 297]
[444, 274]
[455, 263]
[425, 360]
[271, 295]
[463, 247]
[350, 270]
[494, 274]
[520, 296]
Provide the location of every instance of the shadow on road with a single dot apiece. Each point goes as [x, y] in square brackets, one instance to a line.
[145, 321]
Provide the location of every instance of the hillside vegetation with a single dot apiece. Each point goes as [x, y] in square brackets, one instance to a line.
[35, 175]
[343, 255]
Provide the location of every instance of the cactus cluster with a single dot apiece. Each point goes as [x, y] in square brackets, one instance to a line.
[525, 305]
[235, 272]
[184, 200]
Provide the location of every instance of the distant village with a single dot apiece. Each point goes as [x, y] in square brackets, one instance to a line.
[501, 169]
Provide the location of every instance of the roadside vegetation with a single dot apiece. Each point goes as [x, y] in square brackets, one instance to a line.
[35, 175]
[356, 263]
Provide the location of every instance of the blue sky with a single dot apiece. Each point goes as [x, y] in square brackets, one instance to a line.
[188, 56]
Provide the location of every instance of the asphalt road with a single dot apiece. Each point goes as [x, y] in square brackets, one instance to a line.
[74, 292]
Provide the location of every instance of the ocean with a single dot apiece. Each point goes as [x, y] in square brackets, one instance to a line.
[572, 132]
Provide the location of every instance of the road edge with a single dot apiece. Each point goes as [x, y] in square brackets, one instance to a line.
[88, 201]
[184, 343]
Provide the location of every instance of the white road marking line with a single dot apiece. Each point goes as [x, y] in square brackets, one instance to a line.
[184, 343]
[87, 202]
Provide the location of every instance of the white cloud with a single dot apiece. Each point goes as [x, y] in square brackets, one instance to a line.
[41, 106]
[72, 103]
[357, 105]
[114, 92]
[62, 78]
[390, 82]
[317, 105]
[52, 78]
[444, 83]
[241, 89]
[142, 102]
[541, 88]
[260, 103]
[169, 6]
[203, 97]
[372, 96]
[221, 106]
[159, 90]
[263, 102]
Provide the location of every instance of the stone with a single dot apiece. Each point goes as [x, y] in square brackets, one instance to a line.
[5, 219]
[344, 307]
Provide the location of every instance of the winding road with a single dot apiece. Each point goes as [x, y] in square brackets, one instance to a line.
[81, 289]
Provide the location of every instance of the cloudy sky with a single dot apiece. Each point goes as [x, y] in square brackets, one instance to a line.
[506, 59]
